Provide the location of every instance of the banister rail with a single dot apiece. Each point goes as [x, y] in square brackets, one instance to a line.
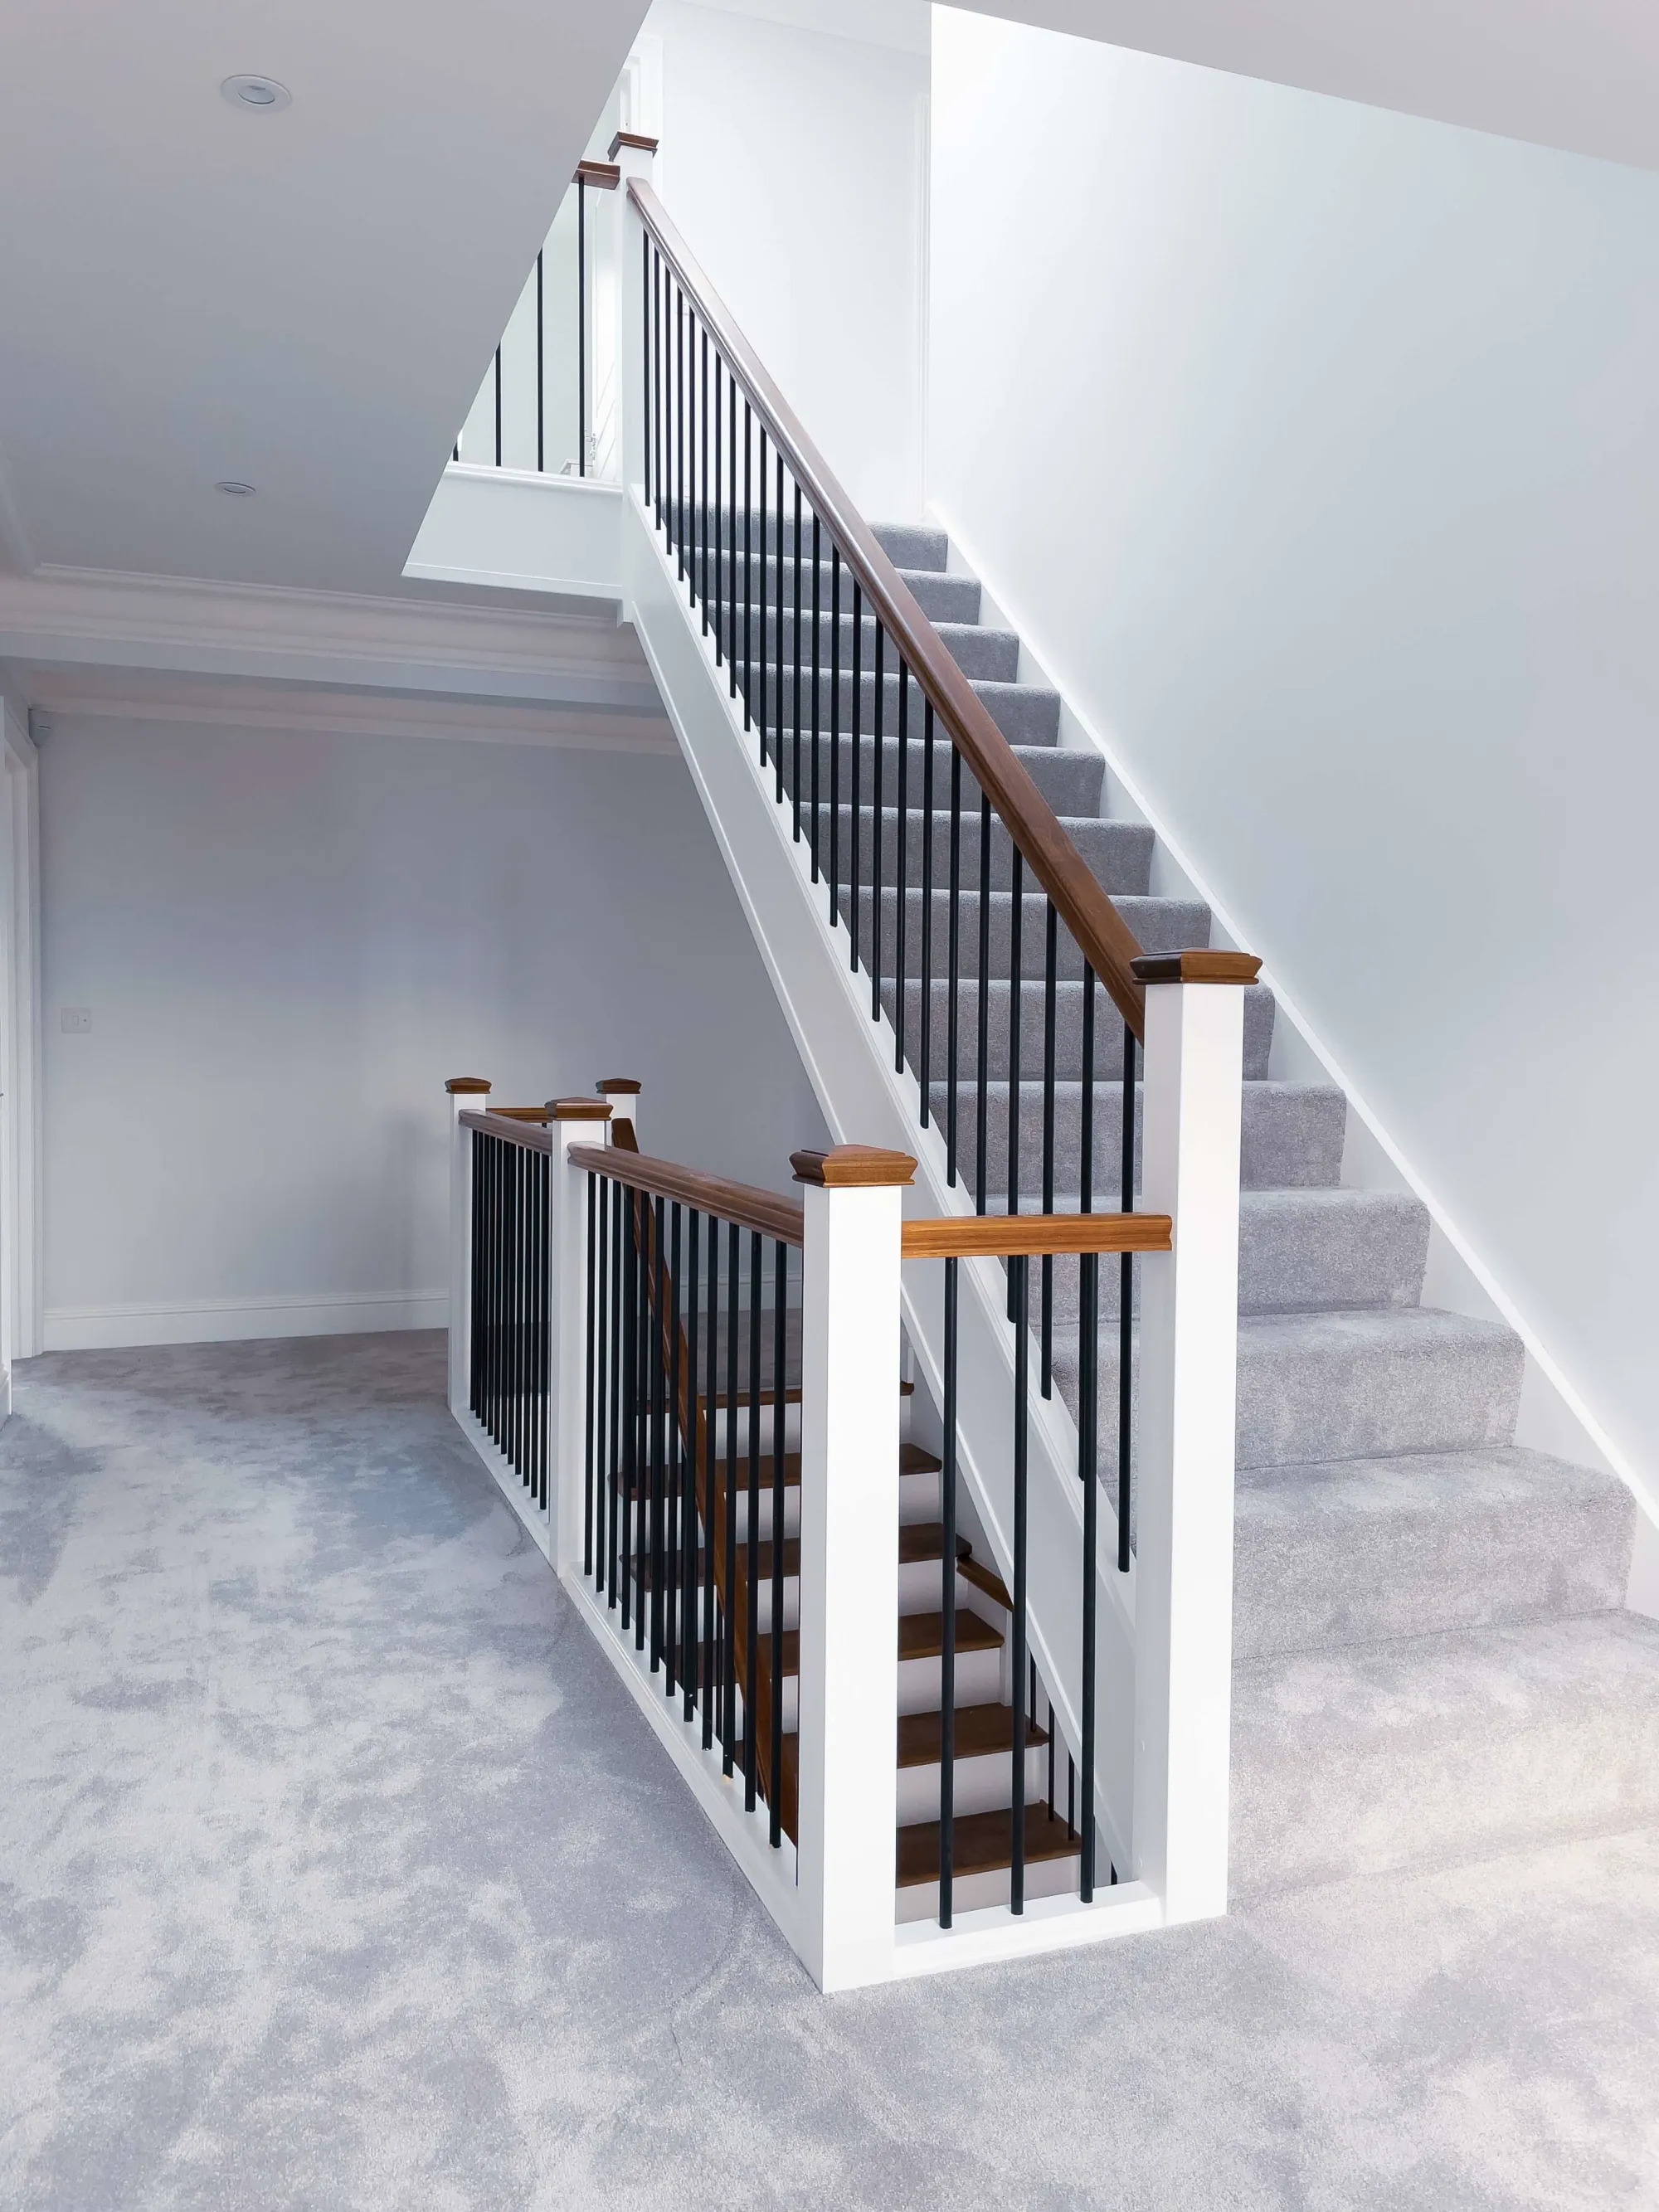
[1107, 942]
[751, 1208]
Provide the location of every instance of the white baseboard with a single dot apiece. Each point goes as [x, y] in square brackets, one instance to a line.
[226, 1320]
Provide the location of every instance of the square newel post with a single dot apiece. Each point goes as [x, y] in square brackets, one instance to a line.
[624, 1095]
[849, 1493]
[467, 1093]
[569, 1121]
[634, 155]
[1191, 1117]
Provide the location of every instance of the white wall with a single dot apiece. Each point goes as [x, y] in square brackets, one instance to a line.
[1315, 451]
[794, 161]
[289, 939]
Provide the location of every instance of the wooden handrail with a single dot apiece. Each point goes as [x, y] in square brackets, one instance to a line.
[1004, 1235]
[1104, 939]
[534, 1136]
[731, 1201]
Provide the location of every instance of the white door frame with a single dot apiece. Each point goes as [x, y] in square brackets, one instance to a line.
[22, 1245]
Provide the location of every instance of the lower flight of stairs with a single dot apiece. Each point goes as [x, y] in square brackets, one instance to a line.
[1431, 1659]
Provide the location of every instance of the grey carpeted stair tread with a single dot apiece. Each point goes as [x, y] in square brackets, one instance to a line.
[1118, 854]
[1351, 1385]
[1360, 1384]
[941, 597]
[1161, 925]
[1026, 714]
[1291, 1135]
[1071, 780]
[1350, 1551]
[977, 651]
[1068, 1026]
[912, 544]
[1458, 1746]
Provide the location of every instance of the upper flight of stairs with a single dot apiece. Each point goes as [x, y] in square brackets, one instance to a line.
[1431, 1659]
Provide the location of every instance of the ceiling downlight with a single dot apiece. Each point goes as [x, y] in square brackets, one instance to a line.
[261, 93]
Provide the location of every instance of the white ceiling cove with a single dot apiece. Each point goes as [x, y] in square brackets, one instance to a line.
[303, 299]
[1580, 74]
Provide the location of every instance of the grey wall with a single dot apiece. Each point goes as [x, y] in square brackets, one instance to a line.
[1315, 450]
[289, 939]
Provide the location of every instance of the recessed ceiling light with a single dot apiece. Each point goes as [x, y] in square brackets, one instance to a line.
[236, 490]
[257, 92]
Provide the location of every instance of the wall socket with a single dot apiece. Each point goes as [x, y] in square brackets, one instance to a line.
[75, 1020]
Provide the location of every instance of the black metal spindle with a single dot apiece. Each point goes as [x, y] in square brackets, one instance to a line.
[1125, 1311]
[751, 1654]
[902, 865]
[662, 502]
[1016, 917]
[669, 1325]
[765, 561]
[619, 1365]
[679, 432]
[720, 512]
[983, 1067]
[541, 377]
[1050, 969]
[748, 563]
[631, 1435]
[659, 1434]
[732, 449]
[953, 980]
[729, 1735]
[498, 406]
[925, 1043]
[598, 1318]
[1089, 1473]
[817, 717]
[777, 741]
[1017, 1268]
[692, 1465]
[702, 528]
[878, 756]
[795, 717]
[711, 1521]
[857, 766]
[834, 731]
[780, 1317]
[947, 1701]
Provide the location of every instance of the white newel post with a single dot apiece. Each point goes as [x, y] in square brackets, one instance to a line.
[633, 153]
[848, 1680]
[622, 1095]
[1188, 1344]
[569, 1121]
[467, 1094]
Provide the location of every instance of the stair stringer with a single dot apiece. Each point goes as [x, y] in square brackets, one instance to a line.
[848, 1059]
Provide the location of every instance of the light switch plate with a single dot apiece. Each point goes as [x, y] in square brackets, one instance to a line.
[76, 1020]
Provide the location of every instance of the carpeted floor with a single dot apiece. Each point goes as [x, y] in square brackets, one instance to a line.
[337, 1870]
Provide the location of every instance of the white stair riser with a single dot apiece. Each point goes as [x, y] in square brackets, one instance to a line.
[983, 1785]
[978, 1681]
[971, 1893]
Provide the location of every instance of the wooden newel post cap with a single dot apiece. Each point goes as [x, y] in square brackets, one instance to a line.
[458, 1084]
[636, 139]
[1197, 967]
[578, 1109]
[853, 1167]
[617, 1085]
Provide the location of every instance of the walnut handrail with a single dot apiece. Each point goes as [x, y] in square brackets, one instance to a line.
[1104, 939]
[739, 1202]
[1035, 1236]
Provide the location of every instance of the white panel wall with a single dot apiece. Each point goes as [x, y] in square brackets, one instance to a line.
[794, 161]
[1315, 451]
[288, 940]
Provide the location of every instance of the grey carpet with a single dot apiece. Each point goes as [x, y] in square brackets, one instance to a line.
[337, 1870]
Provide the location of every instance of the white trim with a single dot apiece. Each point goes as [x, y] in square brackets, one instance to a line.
[227, 1321]
[23, 1294]
[561, 656]
[250, 703]
[1037, 665]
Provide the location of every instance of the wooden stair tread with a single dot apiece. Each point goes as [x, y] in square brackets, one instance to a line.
[982, 1731]
[769, 1395]
[981, 1843]
[913, 1460]
[921, 1636]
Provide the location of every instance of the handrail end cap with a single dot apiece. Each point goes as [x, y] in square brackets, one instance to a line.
[1196, 967]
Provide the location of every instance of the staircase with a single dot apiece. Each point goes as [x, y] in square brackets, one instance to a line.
[1431, 1659]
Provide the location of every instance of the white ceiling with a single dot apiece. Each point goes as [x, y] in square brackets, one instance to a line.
[1581, 75]
[305, 301]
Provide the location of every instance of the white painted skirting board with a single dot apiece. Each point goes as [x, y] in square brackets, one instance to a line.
[226, 1320]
